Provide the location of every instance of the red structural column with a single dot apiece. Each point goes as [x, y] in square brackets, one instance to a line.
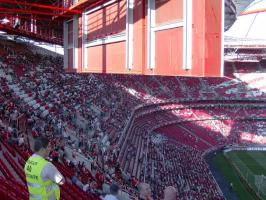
[213, 38]
[198, 37]
[139, 34]
[207, 38]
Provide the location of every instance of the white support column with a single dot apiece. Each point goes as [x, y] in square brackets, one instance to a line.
[222, 39]
[151, 35]
[31, 24]
[75, 41]
[84, 34]
[187, 34]
[129, 34]
[65, 32]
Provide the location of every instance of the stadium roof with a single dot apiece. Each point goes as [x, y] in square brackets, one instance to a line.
[48, 15]
[241, 5]
[249, 27]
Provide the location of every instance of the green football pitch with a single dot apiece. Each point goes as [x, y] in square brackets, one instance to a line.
[244, 169]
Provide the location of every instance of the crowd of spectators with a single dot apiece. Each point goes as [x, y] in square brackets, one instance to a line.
[224, 124]
[89, 113]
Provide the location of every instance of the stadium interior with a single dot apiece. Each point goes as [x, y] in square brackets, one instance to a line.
[122, 128]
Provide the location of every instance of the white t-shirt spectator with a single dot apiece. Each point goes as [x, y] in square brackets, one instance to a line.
[59, 125]
[9, 129]
[86, 187]
[110, 197]
[14, 116]
[65, 133]
[75, 162]
[20, 141]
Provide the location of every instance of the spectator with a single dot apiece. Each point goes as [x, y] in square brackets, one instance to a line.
[134, 182]
[231, 186]
[21, 140]
[144, 191]
[86, 187]
[76, 180]
[170, 193]
[114, 189]
[55, 155]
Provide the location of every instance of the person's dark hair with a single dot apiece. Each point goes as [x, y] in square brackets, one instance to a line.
[114, 189]
[40, 142]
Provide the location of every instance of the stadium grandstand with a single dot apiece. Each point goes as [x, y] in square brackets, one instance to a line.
[139, 100]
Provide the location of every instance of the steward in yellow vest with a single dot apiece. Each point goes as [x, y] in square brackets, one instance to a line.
[42, 176]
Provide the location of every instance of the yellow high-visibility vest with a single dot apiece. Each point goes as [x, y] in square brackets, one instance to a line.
[39, 189]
